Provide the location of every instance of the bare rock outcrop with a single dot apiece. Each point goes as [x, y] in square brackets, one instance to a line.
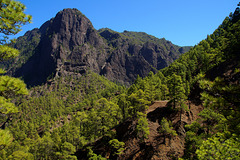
[69, 45]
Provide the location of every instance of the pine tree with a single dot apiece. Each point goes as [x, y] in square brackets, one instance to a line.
[123, 103]
[167, 129]
[176, 90]
[142, 126]
[138, 103]
[116, 146]
[12, 17]
[67, 151]
[219, 147]
[6, 138]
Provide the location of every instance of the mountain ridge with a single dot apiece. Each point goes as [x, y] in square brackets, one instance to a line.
[68, 44]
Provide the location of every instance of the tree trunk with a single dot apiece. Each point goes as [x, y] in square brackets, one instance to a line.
[181, 115]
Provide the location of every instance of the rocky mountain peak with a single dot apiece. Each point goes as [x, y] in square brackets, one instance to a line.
[72, 28]
[69, 45]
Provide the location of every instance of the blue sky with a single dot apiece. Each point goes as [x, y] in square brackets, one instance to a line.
[185, 22]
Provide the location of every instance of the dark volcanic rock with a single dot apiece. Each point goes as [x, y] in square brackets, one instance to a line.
[69, 45]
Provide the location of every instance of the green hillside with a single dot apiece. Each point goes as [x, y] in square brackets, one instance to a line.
[66, 117]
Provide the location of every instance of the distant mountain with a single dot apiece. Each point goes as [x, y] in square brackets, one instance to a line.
[68, 44]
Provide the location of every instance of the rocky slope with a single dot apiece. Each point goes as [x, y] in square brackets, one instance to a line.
[68, 44]
[158, 146]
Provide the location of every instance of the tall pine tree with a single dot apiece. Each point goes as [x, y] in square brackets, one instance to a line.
[176, 90]
[12, 17]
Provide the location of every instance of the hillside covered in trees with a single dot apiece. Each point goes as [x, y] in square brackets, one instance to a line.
[188, 109]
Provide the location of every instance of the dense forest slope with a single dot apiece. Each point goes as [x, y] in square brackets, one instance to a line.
[158, 145]
[187, 110]
[68, 44]
[202, 85]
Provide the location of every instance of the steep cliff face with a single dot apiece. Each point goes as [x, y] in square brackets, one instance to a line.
[68, 44]
[136, 53]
